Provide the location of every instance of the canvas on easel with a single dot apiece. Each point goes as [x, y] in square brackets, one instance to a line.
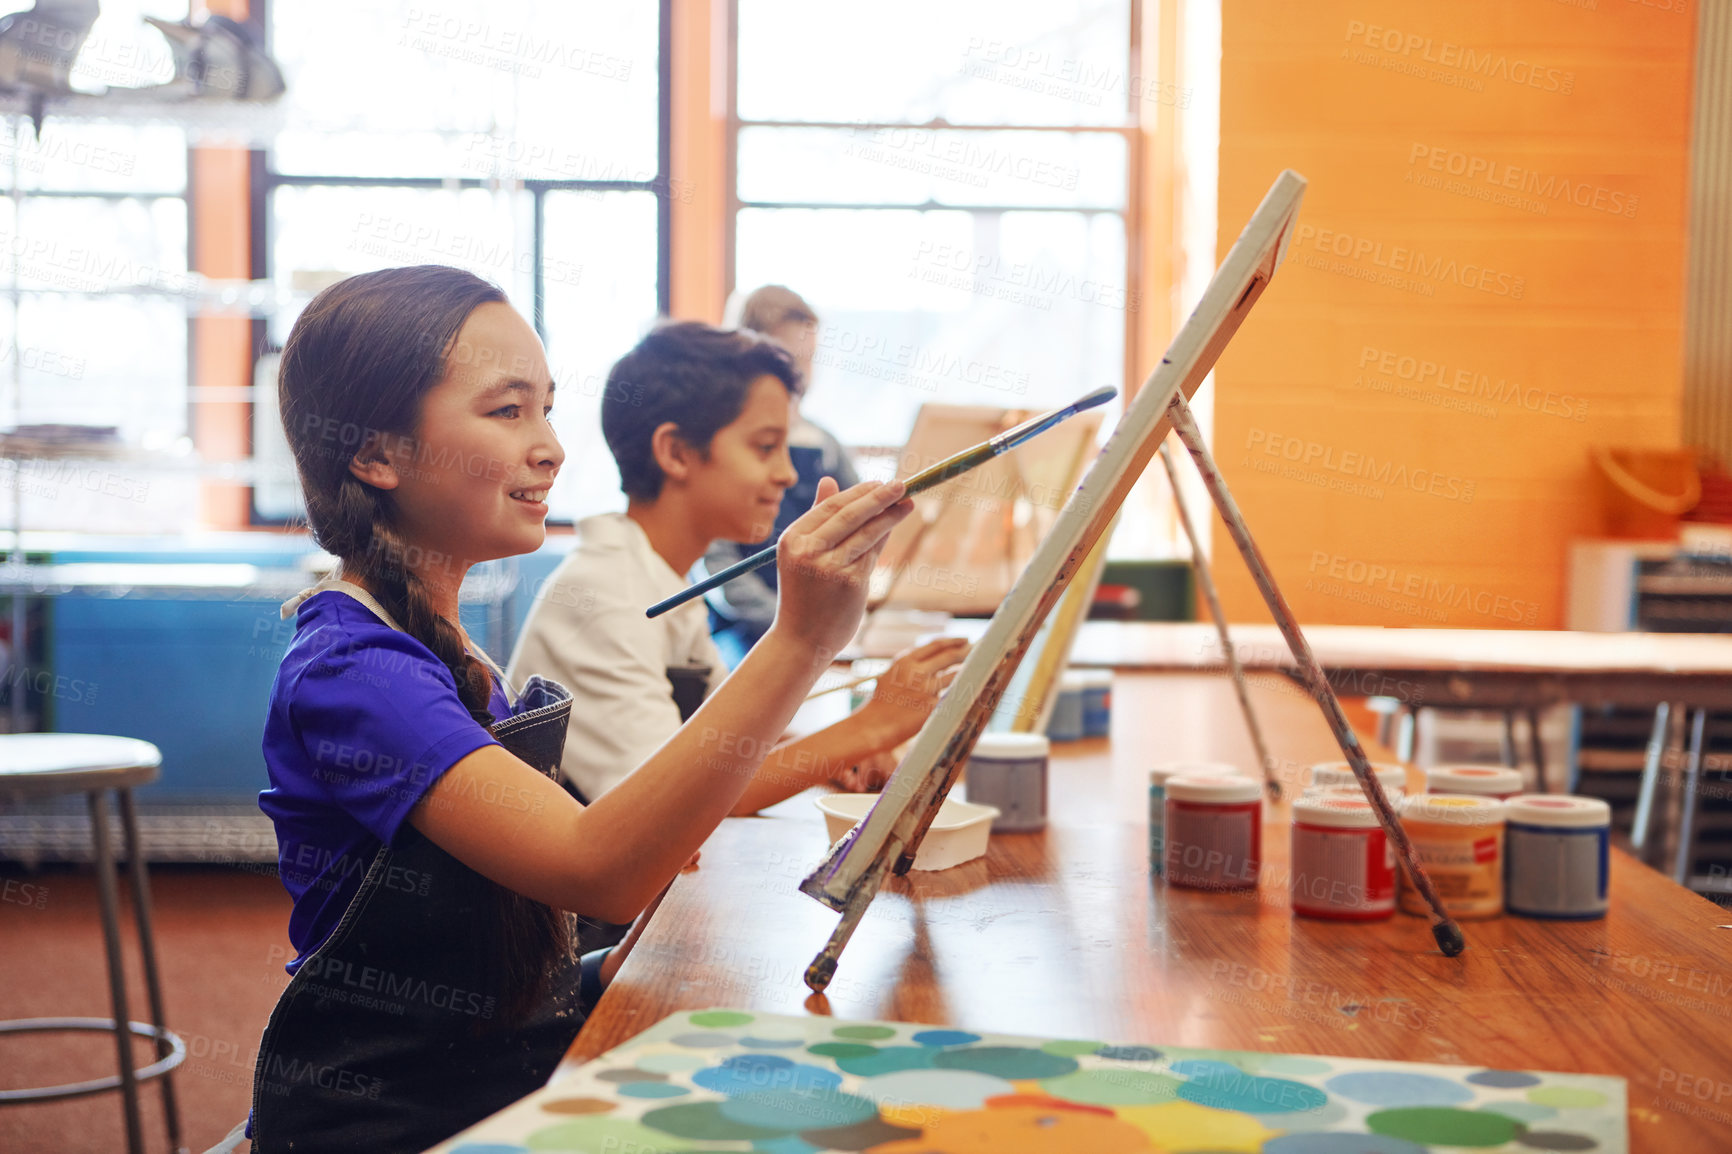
[962, 549]
[857, 866]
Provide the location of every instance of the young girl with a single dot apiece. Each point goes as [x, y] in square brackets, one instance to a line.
[435, 866]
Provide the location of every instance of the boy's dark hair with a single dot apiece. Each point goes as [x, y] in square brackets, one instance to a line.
[692, 374]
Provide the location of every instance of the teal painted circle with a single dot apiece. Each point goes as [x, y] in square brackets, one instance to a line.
[1522, 1111]
[945, 1038]
[842, 1050]
[1011, 1062]
[1224, 1087]
[794, 1110]
[752, 1073]
[785, 1146]
[1504, 1079]
[1206, 1068]
[1291, 1064]
[651, 1090]
[889, 1060]
[946, 1089]
[1398, 1088]
[1129, 1053]
[671, 1063]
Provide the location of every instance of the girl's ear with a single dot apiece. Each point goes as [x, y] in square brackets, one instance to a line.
[371, 465]
[673, 453]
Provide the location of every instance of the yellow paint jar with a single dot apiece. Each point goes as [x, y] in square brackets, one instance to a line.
[1460, 843]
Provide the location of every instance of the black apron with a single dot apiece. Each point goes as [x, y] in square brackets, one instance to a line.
[392, 1036]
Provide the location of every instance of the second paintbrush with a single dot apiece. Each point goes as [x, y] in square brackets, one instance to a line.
[925, 479]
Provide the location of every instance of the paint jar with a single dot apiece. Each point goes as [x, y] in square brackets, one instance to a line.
[1343, 865]
[1214, 832]
[1008, 771]
[865, 667]
[1459, 840]
[1097, 702]
[1159, 775]
[1479, 780]
[1558, 851]
[1336, 777]
[1066, 722]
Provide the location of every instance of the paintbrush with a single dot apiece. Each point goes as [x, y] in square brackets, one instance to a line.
[925, 479]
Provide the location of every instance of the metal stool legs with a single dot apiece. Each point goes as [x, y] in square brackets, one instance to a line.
[107, 889]
[147, 950]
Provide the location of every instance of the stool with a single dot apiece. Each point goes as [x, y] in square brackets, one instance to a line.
[39, 765]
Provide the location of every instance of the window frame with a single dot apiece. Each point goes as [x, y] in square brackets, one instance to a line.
[264, 180]
[1131, 212]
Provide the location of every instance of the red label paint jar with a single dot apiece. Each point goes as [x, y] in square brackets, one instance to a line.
[1343, 865]
[1214, 832]
[1494, 781]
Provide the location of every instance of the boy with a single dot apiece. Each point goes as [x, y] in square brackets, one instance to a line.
[697, 420]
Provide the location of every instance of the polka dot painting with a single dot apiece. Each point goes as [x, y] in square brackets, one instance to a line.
[727, 1079]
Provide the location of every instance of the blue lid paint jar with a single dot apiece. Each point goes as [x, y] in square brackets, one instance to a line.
[1557, 854]
[1158, 777]
[1066, 722]
[1097, 702]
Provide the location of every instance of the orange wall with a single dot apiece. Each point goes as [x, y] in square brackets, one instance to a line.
[1488, 278]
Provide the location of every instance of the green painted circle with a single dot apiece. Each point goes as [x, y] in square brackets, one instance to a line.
[606, 1134]
[1114, 1087]
[1566, 1097]
[713, 1018]
[1442, 1126]
[842, 1050]
[869, 1033]
[704, 1121]
[1066, 1049]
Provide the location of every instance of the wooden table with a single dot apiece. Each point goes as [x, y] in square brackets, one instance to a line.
[1063, 933]
[1467, 668]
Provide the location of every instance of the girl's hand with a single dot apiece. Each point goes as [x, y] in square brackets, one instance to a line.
[868, 775]
[908, 691]
[823, 561]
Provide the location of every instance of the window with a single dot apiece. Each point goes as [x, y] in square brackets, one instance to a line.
[94, 291]
[524, 140]
[953, 203]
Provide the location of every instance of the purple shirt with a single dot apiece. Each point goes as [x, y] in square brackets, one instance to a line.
[363, 720]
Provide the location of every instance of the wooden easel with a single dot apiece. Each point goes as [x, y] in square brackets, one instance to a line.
[854, 870]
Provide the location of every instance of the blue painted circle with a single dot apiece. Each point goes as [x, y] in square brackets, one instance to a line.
[945, 1038]
[1397, 1088]
[755, 1073]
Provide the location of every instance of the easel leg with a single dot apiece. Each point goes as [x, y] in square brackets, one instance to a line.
[1200, 564]
[1448, 934]
[823, 967]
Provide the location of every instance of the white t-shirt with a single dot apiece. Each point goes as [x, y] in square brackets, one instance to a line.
[587, 631]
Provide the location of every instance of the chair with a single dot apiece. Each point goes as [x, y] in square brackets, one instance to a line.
[43, 765]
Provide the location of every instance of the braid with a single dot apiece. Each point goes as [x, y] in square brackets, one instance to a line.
[404, 595]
